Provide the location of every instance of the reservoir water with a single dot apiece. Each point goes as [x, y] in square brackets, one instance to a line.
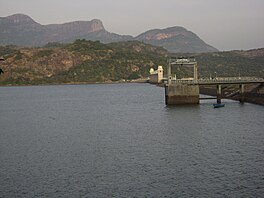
[120, 140]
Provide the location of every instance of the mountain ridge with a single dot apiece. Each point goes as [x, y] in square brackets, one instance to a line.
[22, 30]
[179, 36]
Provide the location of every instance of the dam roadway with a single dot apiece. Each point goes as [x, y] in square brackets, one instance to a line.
[219, 81]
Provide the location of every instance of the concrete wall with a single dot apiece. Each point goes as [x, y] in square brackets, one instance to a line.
[176, 94]
[153, 78]
[160, 74]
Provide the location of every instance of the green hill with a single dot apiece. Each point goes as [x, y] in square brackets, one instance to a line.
[81, 61]
[91, 61]
[232, 63]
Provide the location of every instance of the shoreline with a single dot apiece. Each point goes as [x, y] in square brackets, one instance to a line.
[75, 83]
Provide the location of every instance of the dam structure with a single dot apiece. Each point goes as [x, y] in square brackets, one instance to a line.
[186, 90]
[179, 92]
[156, 76]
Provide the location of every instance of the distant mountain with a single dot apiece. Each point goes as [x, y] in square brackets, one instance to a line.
[22, 30]
[176, 39]
[19, 30]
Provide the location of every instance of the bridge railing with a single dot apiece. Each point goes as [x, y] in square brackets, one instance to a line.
[218, 80]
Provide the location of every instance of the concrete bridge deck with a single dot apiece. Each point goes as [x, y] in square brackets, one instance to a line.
[217, 81]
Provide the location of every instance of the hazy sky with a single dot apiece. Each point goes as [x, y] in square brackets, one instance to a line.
[224, 24]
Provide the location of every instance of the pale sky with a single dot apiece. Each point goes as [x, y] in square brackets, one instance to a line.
[224, 24]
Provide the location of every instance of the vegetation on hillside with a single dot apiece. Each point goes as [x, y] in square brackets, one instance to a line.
[81, 61]
[112, 62]
[233, 63]
[91, 61]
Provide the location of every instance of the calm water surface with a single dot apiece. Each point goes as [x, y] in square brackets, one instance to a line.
[120, 140]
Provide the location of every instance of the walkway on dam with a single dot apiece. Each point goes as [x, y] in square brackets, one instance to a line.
[218, 81]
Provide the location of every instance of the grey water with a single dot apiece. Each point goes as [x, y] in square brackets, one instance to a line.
[121, 140]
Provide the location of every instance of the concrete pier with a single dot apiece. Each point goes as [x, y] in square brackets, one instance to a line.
[181, 93]
[177, 94]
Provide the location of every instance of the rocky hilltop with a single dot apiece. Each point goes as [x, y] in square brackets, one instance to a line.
[176, 39]
[22, 30]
